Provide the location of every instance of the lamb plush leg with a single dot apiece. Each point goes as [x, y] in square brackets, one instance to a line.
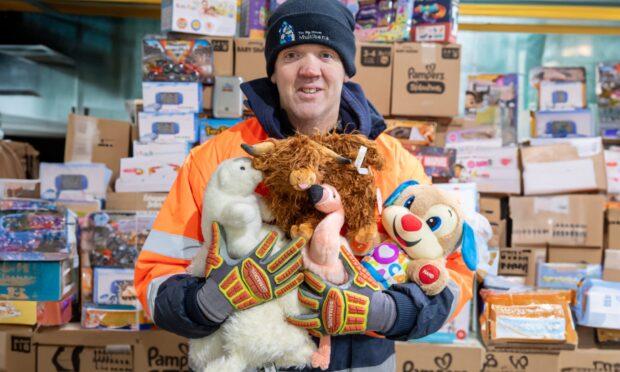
[202, 351]
[320, 359]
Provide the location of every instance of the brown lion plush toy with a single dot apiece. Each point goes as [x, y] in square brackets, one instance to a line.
[290, 166]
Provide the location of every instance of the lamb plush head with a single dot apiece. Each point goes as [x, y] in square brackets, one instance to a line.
[428, 222]
[237, 177]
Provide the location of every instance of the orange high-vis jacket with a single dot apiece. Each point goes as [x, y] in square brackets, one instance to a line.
[176, 235]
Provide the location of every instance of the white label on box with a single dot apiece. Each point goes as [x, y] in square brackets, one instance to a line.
[612, 165]
[559, 176]
[612, 259]
[523, 328]
[603, 300]
[553, 204]
[430, 33]
[86, 134]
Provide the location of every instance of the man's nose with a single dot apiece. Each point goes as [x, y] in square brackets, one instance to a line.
[310, 67]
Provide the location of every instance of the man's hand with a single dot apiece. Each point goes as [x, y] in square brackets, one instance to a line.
[257, 277]
[340, 309]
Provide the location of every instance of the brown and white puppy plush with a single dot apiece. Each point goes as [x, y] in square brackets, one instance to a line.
[428, 224]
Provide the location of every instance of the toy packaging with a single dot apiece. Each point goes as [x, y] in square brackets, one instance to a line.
[493, 99]
[38, 280]
[37, 234]
[435, 21]
[253, 18]
[18, 188]
[172, 97]
[202, 17]
[453, 331]
[210, 127]
[561, 95]
[149, 174]
[177, 60]
[540, 74]
[384, 21]
[597, 304]
[145, 149]
[561, 124]
[521, 319]
[74, 181]
[114, 318]
[494, 170]
[114, 239]
[48, 313]
[113, 286]
[608, 97]
[437, 161]
[411, 131]
[167, 127]
[612, 165]
[566, 275]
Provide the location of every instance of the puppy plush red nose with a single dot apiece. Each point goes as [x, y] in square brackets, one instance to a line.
[411, 223]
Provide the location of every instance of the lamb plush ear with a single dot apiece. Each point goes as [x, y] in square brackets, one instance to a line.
[468, 247]
[394, 195]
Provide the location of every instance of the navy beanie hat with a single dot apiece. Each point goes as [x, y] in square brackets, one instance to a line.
[326, 22]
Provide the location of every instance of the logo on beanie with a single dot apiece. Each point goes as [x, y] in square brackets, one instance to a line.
[287, 33]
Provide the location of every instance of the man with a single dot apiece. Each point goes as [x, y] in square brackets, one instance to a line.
[310, 53]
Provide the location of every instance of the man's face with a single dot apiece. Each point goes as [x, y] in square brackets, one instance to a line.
[309, 79]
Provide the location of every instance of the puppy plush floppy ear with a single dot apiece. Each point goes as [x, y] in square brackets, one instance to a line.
[468, 247]
[394, 195]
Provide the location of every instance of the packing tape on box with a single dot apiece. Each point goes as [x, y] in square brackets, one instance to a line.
[86, 134]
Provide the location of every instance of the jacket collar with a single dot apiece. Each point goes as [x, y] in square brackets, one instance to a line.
[357, 114]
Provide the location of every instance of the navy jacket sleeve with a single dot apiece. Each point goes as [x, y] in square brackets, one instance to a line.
[176, 308]
[418, 315]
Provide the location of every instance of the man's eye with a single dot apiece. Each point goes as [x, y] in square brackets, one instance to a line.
[326, 55]
[290, 55]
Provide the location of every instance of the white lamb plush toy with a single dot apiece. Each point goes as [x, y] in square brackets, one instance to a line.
[259, 335]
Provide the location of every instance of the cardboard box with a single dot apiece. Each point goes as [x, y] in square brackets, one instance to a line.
[19, 350]
[144, 149]
[611, 267]
[374, 73]
[551, 168]
[563, 220]
[589, 360]
[250, 58]
[507, 361]
[586, 255]
[19, 188]
[223, 55]
[426, 79]
[500, 230]
[613, 228]
[494, 208]
[520, 261]
[97, 140]
[465, 356]
[160, 351]
[135, 201]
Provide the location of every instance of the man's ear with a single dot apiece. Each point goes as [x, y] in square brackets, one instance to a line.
[346, 78]
[273, 78]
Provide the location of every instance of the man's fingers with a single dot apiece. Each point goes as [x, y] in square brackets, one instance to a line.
[289, 285]
[289, 270]
[307, 321]
[289, 253]
[308, 299]
[314, 281]
[265, 246]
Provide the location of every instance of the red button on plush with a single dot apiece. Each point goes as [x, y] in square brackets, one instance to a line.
[428, 274]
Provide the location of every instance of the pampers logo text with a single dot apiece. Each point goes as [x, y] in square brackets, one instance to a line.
[429, 82]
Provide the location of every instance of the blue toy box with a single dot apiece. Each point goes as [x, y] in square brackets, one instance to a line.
[38, 280]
